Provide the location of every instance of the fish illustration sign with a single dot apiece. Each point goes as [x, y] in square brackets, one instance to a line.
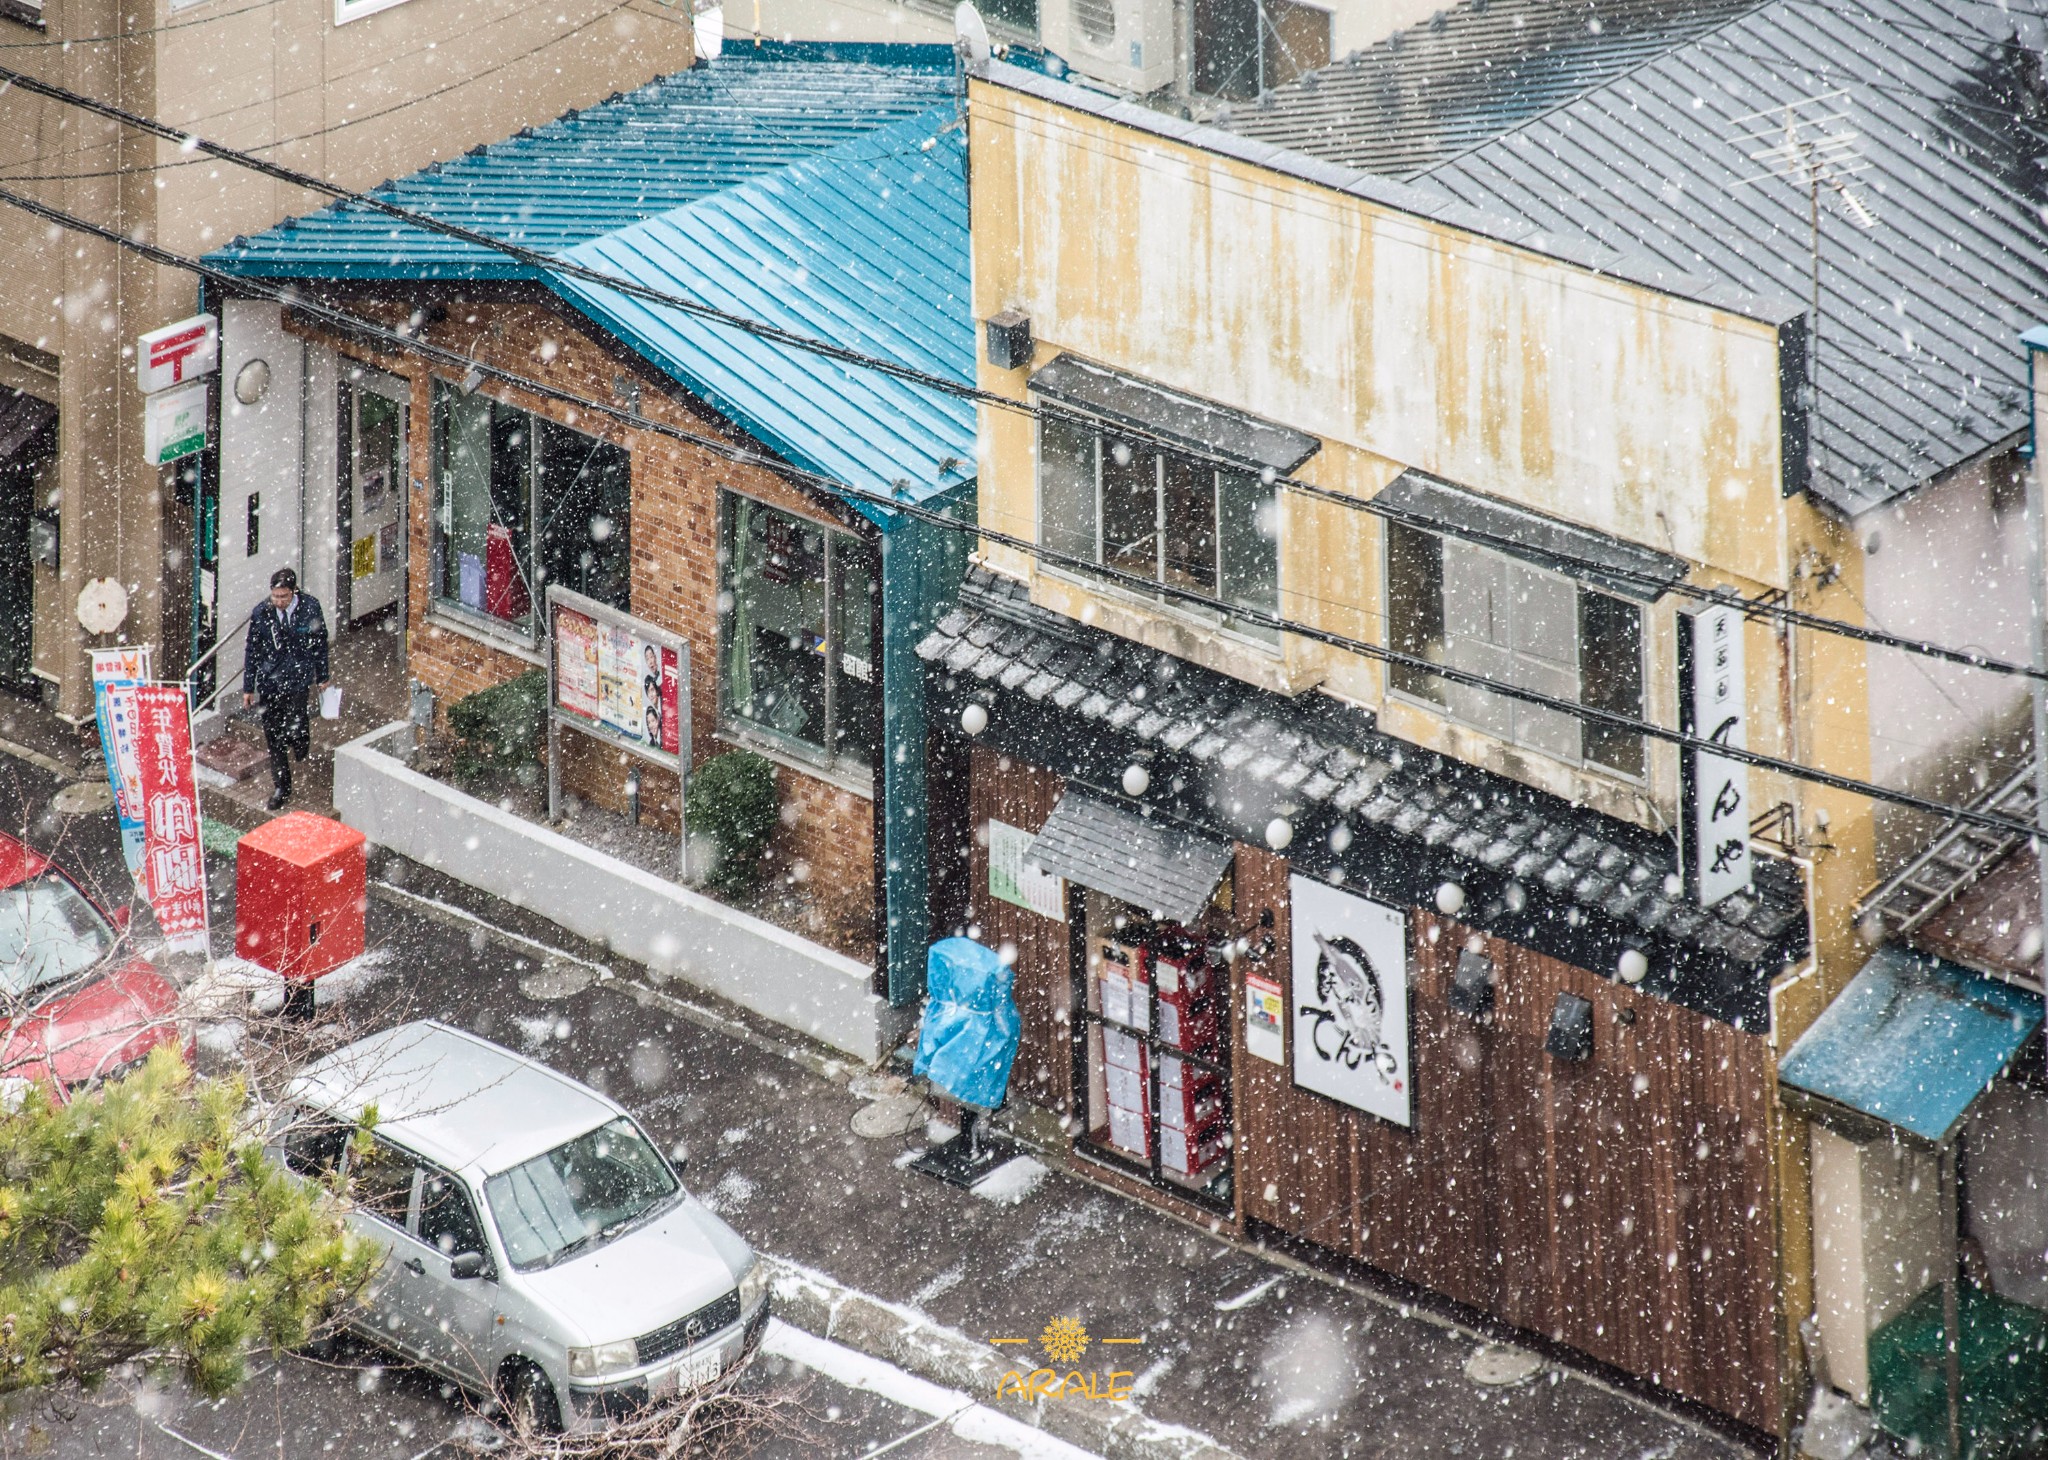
[1350, 1000]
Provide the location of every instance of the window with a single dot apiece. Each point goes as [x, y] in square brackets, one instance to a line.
[1161, 516]
[521, 502]
[590, 1189]
[797, 645]
[380, 1180]
[313, 1144]
[1468, 607]
[48, 932]
[448, 1220]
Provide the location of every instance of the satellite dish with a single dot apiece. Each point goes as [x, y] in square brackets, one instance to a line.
[709, 24]
[102, 606]
[969, 33]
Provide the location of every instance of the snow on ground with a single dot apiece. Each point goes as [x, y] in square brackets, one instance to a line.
[1010, 1182]
[973, 1422]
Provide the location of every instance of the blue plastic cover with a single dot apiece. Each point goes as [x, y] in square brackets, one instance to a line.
[1912, 1040]
[970, 1027]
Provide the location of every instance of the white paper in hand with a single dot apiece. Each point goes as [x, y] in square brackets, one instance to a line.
[330, 702]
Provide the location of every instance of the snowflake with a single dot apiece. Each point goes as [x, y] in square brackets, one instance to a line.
[1065, 1340]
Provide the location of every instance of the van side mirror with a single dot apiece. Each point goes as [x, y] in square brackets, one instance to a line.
[679, 1156]
[466, 1265]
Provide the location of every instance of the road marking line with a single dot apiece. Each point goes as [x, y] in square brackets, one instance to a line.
[190, 1443]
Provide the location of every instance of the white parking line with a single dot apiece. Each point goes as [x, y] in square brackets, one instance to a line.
[968, 1419]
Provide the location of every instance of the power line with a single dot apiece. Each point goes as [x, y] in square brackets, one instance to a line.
[1761, 608]
[363, 328]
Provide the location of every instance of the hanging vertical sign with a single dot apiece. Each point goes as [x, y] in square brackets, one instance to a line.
[177, 353]
[174, 862]
[1350, 999]
[1714, 789]
[121, 669]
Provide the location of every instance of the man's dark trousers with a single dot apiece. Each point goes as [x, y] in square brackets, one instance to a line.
[287, 732]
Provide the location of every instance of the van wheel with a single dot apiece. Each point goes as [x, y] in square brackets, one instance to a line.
[530, 1404]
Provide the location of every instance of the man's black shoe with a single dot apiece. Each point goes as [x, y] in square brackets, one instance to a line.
[298, 754]
[276, 801]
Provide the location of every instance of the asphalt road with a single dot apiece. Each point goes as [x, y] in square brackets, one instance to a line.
[359, 1405]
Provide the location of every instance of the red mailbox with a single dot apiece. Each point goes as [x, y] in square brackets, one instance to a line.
[299, 895]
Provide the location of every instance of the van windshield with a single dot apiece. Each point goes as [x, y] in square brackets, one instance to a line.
[581, 1193]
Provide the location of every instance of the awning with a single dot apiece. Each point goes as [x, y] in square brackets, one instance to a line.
[1163, 867]
[1202, 425]
[1612, 563]
[1912, 1041]
[22, 418]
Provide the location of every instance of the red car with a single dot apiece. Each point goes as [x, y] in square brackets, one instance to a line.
[69, 1015]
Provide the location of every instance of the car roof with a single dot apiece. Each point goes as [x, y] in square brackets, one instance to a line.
[452, 1096]
[17, 862]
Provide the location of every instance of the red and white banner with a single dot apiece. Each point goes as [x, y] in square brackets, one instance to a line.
[173, 861]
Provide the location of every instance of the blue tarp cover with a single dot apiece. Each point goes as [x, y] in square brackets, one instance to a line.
[970, 1027]
[1912, 1040]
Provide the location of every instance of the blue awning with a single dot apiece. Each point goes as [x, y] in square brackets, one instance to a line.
[1912, 1041]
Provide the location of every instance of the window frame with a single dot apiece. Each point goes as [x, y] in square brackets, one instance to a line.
[347, 10]
[857, 775]
[453, 610]
[1103, 430]
[1446, 706]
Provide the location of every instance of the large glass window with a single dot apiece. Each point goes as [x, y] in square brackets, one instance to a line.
[1158, 515]
[585, 1191]
[1458, 604]
[521, 502]
[797, 649]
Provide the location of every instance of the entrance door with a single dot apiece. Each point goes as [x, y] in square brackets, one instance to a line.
[371, 501]
[28, 439]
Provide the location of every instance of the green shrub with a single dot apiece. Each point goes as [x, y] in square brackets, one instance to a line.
[732, 804]
[500, 728]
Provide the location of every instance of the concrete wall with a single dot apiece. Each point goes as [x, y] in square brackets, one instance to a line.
[673, 931]
[378, 97]
[1877, 1244]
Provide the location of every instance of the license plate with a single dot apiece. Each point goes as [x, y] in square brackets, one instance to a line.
[689, 1373]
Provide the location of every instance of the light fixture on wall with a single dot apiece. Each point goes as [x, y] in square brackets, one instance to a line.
[472, 380]
[1472, 984]
[1571, 1029]
[974, 718]
[252, 380]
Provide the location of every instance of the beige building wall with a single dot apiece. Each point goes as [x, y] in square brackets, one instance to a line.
[379, 96]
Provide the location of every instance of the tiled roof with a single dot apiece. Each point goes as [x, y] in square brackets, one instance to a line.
[1316, 759]
[679, 138]
[1919, 371]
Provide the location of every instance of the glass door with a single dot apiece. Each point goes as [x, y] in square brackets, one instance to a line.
[1153, 1046]
[372, 499]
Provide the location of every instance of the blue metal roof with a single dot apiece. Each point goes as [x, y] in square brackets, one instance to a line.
[1912, 1040]
[864, 246]
[819, 188]
[676, 139]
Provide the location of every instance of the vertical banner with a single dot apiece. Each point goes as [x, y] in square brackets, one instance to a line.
[1351, 1000]
[174, 862]
[121, 668]
[1714, 789]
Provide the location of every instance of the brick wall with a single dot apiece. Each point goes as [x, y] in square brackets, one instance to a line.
[823, 854]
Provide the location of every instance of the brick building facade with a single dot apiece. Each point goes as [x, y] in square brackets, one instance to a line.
[826, 842]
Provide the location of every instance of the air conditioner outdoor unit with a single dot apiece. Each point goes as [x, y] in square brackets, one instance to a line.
[1125, 43]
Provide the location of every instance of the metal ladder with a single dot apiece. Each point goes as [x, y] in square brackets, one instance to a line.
[1954, 860]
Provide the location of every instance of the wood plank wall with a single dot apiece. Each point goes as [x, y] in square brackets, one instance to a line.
[1621, 1206]
[1022, 795]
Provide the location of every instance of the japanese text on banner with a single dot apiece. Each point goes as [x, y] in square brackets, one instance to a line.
[174, 862]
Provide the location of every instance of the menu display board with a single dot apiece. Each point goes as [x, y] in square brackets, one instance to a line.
[618, 677]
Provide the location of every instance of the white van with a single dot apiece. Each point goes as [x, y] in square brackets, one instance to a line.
[541, 1248]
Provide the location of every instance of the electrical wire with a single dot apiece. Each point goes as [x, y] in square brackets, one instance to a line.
[400, 341]
[1766, 607]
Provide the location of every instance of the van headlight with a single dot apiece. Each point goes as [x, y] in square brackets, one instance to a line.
[606, 1358]
[754, 1286]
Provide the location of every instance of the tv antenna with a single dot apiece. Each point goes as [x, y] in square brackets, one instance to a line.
[1812, 144]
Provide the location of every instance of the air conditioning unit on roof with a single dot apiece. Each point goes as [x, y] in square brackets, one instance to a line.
[1125, 43]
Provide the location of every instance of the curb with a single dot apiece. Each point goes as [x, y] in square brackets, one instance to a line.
[807, 1299]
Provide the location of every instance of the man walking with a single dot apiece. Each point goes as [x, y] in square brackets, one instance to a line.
[286, 655]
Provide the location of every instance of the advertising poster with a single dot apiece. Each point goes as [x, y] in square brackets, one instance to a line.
[1015, 880]
[618, 677]
[174, 862]
[111, 669]
[575, 662]
[1350, 1000]
[671, 680]
[1265, 1012]
[625, 669]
